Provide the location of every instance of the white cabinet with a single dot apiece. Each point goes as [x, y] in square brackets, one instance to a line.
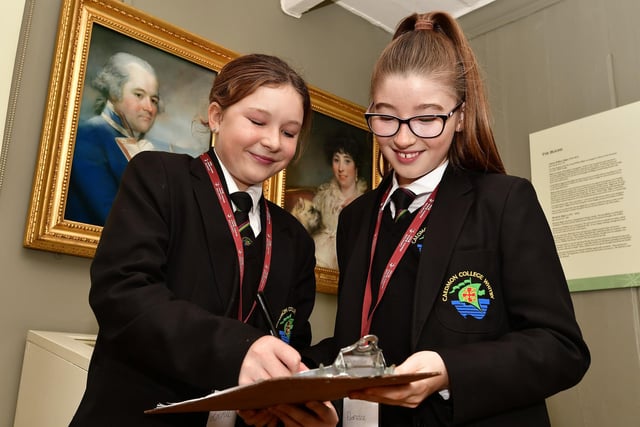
[54, 375]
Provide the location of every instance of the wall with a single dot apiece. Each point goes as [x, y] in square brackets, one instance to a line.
[10, 19]
[544, 67]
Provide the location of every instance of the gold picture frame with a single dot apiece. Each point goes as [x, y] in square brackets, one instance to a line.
[87, 31]
[333, 122]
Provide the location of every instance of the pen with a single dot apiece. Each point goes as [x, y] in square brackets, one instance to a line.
[266, 313]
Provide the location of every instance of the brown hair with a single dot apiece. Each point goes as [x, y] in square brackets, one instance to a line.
[241, 77]
[437, 47]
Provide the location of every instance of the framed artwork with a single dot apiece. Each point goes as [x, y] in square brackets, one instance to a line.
[91, 32]
[179, 69]
[337, 165]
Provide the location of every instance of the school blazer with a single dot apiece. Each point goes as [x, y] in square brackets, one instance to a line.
[511, 348]
[162, 282]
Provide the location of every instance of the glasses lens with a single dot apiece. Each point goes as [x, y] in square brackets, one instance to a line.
[426, 126]
[383, 125]
[421, 126]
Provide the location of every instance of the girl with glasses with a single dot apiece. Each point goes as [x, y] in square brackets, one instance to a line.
[463, 278]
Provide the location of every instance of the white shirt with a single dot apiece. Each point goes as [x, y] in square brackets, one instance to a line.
[255, 191]
[421, 187]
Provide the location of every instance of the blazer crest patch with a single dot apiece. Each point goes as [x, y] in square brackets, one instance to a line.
[470, 293]
[284, 325]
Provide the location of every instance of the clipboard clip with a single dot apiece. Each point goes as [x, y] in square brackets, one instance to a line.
[362, 359]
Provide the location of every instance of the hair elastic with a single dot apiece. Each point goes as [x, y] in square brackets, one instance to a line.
[423, 24]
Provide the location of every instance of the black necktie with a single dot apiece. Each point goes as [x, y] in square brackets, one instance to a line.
[402, 199]
[243, 203]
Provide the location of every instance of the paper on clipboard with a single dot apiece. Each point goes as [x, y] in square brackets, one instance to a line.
[357, 367]
[291, 390]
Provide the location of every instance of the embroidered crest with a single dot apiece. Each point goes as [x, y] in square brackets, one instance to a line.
[285, 323]
[471, 294]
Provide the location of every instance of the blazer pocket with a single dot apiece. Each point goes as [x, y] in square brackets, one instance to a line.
[470, 298]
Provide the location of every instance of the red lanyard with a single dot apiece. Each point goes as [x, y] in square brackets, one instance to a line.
[399, 251]
[237, 239]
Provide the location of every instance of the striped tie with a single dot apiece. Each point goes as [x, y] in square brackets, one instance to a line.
[402, 199]
[243, 203]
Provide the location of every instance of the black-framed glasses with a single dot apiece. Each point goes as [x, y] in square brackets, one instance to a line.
[424, 126]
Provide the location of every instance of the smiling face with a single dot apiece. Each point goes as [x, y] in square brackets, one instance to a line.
[344, 169]
[257, 137]
[411, 95]
[138, 105]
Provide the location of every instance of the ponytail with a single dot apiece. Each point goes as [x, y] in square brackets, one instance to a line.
[434, 45]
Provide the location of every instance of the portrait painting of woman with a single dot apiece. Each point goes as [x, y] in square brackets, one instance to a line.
[335, 168]
[345, 155]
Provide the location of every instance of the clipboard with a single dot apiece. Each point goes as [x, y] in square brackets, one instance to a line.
[357, 367]
[292, 390]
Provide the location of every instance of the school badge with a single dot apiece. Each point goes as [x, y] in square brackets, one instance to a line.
[285, 323]
[470, 293]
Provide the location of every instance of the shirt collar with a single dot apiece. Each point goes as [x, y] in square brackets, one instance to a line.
[255, 191]
[421, 187]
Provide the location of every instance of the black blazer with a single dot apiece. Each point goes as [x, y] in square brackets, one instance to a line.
[162, 280]
[526, 346]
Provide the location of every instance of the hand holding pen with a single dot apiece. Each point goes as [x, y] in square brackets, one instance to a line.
[268, 358]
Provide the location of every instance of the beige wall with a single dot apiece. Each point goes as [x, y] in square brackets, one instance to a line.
[545, 65]
[10, 19]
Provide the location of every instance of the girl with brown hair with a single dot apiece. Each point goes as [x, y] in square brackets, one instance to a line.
[450, 261]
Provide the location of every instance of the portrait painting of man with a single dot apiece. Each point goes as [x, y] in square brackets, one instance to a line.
[135, 98]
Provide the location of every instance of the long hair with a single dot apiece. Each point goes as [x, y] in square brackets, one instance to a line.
[438, 49]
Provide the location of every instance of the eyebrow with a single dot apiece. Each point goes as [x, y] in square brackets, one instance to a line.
[268, 113]
[418, 107]
[153, 95]
[435, 106]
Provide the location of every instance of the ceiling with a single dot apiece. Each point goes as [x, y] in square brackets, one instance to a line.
[387, 13]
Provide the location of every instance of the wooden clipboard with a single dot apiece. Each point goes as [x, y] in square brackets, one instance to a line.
[286, 390]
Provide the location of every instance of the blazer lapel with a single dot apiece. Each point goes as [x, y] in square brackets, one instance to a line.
[223, 261]
[454, 199]
[353, 285]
